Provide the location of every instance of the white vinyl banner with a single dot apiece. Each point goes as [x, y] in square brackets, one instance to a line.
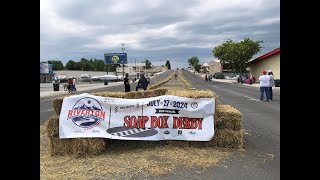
[158, 118]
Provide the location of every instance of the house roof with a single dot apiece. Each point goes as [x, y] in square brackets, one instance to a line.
[205, 64]
[271, 53]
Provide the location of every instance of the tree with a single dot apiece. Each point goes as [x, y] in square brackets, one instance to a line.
[237, 54]
[71, 65]
[197, 67]
[168, 65]
[56, 64]
[193, 61]
[148, 63]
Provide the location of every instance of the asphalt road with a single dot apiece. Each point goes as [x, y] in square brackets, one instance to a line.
[260, 158]
[46, 109]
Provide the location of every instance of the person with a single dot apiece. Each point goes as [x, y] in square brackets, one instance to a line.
[264, 85]
[142, 83]
[175, 76]
[271, 84]
[70, 83]
[126, 83]
[251, 79]
[206, 77]
[74, 81]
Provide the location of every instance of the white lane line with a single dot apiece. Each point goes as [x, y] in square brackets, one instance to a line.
[250, 98]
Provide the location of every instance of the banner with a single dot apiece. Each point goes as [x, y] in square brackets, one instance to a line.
[158, 118]
[115, 58]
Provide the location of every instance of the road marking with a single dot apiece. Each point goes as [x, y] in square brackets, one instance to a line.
[250, 98]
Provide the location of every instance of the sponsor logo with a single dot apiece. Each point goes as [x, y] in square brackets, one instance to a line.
[87, 113]
[192, 133]
[179, 132]
[194, 105]
[126, 107]
[167, 132]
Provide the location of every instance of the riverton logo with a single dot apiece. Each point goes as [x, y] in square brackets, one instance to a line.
[87, 113]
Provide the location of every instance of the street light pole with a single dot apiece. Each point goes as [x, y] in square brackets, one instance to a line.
[122, 63]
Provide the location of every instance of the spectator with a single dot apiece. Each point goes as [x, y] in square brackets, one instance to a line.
[271, 84]
[142, 83]
[264, 85]
[126, 83]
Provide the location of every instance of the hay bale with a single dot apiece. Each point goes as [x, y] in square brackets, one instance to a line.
[227, 138]
[77, 146]
[193, 94]
[57, 104]
[110, 94]
[228, 117]
[52, 126]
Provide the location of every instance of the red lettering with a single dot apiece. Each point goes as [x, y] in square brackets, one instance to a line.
[164, 122]
[145, 119]
[175, 122]
[153, 121]
[70, 113]
[88, 111]
[102, 114]
[126, 121]
[78, 112]
[200, 123]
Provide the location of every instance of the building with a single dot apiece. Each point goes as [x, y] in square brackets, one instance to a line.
[46, 73]
[268, 61]
[131, 68]
[204, 68]
[215, 66]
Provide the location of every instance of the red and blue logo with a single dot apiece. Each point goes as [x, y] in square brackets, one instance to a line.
[87, 113]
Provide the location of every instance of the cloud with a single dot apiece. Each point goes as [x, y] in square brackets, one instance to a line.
[153, 29]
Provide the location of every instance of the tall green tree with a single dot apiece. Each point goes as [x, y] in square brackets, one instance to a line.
[71, 65]
[197, 67]
[168, 65]
[237, 54]
[148, 63]
[193, 61]
[56, 64]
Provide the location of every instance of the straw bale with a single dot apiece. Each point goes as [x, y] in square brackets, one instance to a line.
[227, 138]
[57, 104]
[77, 146]
[52, 126]
[228, 117]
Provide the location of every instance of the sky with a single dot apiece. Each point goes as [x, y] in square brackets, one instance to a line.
[157, 30]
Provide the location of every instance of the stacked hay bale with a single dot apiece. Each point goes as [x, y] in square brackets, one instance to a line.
[75, 146]
[228, 125]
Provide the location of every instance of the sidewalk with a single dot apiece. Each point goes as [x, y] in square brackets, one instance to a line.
[46, 89]
[257, 85]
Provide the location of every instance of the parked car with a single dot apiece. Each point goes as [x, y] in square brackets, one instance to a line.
[85, 78]
[218, 75]
[95, 79]
[63, 78]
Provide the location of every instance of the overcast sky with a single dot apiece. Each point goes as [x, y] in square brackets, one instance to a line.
[158, 30]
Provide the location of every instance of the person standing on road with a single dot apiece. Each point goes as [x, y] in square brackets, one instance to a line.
[264, 85]
[126, 83]
[271, 84]
[142, 83]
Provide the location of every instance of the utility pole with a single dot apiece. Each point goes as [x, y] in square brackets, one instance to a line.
[122, 48]
[135, 66]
